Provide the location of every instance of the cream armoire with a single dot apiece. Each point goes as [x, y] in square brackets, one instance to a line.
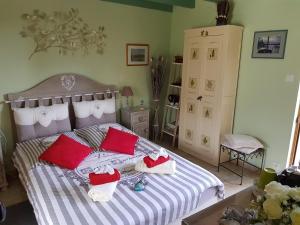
[209, 82]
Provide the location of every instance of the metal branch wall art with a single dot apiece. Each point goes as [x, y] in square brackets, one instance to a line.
[65, 31]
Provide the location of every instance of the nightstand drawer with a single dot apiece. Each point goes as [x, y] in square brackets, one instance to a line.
[139, 117]
[141, 129]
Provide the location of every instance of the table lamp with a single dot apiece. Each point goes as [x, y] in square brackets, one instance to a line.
[127, 92]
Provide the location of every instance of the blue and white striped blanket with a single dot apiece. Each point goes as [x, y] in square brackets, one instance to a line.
[58, 198]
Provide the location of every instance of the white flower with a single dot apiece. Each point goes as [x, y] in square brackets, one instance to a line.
[259, 198]
[295, 194]
[277, 191]
[295, 216]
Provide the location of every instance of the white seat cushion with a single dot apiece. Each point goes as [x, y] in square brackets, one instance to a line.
[243, 143]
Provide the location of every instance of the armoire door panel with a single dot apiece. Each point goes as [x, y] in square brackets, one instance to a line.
[190, 111]
[212, 66]
[207, 119]
[195, 50]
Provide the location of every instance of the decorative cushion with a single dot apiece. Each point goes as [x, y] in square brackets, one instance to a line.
[104, 127]
[93, 135]
[239, 141]
[65, 152]
[119, 141]
[94, 112]
[41, 121]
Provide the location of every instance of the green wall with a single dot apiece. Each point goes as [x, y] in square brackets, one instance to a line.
[265, 101]
[123, 24]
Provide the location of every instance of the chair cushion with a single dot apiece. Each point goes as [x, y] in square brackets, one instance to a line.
[244, 143]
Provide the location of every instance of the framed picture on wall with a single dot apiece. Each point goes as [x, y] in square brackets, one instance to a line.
[269, 44]
[137, 54]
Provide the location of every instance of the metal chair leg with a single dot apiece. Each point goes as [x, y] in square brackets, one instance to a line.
[219, 159]
[243, 165]
[262, 160]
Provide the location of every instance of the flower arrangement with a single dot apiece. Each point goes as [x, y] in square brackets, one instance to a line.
[280, 205]
[158, 70]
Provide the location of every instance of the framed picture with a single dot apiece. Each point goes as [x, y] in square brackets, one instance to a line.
[137, 54]
[269, 44]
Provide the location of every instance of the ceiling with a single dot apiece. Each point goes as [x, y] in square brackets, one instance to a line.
[164, 5]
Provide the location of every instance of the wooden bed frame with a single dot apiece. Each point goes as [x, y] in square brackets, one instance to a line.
[64, 87]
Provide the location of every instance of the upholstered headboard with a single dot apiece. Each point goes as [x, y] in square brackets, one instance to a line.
[61, 88]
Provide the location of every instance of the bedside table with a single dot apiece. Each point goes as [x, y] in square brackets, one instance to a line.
[136, 119]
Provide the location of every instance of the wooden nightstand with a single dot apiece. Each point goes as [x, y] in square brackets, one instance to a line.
[136, 119]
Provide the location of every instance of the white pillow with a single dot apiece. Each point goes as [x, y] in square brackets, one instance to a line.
[239, 141]
[96, 108]
[42, 114]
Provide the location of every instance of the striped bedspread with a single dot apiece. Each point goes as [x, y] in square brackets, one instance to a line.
[59, 199]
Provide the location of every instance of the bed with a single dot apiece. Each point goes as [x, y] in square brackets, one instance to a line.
[59, 196]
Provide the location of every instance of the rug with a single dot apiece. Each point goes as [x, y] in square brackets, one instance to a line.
[20, 214]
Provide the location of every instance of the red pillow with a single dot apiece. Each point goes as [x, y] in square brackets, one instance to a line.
[65, 152]
[119, 141]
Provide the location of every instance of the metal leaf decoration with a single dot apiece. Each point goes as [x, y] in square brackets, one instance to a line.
[65, 31]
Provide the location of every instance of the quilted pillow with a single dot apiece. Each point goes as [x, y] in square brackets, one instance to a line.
[65, 152]
[41, 121]
[93, 135]
[119, 141]
[104, 127]
[89, 113]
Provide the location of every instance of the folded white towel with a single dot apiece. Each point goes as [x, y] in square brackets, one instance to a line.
[103, 192]
[162, 152]
[104, 169]
[168, 167]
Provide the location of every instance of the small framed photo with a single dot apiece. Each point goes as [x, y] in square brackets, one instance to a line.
[269, 44]
[137, 54]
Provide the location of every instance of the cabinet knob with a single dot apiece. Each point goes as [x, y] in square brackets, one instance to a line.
[202, 33]
[141, 119]
[206, 33]
[200, 98]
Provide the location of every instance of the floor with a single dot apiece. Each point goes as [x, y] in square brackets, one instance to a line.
[15, 193]
[231, 181]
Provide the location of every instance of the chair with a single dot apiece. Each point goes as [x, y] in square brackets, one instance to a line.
[241, 148]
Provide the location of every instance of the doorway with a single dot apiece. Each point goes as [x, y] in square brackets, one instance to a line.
[295, 151]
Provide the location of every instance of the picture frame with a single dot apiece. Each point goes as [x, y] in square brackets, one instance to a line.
[137, 54]
[269, 44]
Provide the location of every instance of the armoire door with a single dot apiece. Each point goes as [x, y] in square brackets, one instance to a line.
[192, 70]
[208, 122]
